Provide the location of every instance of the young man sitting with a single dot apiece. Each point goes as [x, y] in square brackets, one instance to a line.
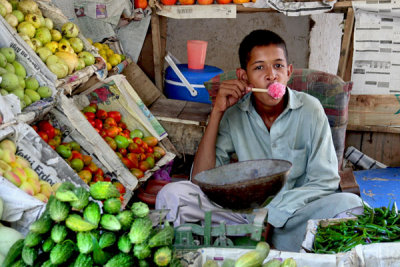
[280, 124]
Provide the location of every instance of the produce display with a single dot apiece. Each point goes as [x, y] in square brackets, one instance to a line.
[137, 152]
[61, 49]
[18, 171]
[143, 3]
[374, 226]
[112, 59]
[76, 231]
[15, 81]
[84, 166]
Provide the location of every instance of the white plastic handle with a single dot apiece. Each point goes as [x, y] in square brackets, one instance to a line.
[180, 75]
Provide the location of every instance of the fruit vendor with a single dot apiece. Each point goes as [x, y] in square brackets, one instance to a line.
[278, 124]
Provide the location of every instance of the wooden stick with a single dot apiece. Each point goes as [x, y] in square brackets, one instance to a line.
[259, 90]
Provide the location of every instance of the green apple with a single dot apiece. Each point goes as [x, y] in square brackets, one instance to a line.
[76, 44]
[31, 83]
[10, 68]
[11, 20]
[3, 10]
[3, 60]
[9, 81]
[87, 57]
[22, 83]
[19, 69]
[33, 95]
[43, 35]
[55, 35]
[48, 23]
[57, 66]
[81, 64]
[44, 91]
[27, 28]
[70, 30]
[9, 53]
[19, 15]
[44, 53]
[27, 100]
[19, 92]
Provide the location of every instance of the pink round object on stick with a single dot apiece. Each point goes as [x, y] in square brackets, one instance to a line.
[276, 90]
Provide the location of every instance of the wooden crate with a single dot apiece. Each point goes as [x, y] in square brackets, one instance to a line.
[184, 121]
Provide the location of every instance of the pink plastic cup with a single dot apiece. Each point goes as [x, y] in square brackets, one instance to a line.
[196, 51]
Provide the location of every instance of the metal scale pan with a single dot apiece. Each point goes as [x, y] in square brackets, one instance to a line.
[244, 185]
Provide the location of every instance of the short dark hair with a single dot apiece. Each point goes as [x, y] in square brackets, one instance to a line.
[259, 38]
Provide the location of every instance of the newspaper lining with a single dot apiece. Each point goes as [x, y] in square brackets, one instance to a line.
[294, 8]
[376, 55]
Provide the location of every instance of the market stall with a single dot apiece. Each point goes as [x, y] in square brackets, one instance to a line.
[87, 140]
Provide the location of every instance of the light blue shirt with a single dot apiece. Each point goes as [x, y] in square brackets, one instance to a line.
[301, 135]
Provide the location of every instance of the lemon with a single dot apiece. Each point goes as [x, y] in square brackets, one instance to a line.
[114, 60]
[109, 67]
[109, 52]
[98, 46]
[90, 40]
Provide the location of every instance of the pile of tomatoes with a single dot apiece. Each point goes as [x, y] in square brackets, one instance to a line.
[137, 152]
[87, 170]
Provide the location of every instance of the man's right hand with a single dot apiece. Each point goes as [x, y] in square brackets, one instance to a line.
[229, 93]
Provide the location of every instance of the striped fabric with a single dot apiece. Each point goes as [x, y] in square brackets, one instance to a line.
[330, 89]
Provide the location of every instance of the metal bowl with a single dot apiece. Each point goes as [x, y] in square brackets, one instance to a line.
[244, 185]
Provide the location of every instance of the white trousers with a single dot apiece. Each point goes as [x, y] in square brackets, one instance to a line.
[184, 196]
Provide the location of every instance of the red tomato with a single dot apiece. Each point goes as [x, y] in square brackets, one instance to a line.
[137, 172]
[44, 136]
[90, 115]
[97, 178]
[101, 114]
[107, 179]
[138, 141]
[159, 150]
[46, 127]
[110, 122]
[120, 187]
[92, 122]
[98, 124]
[127, 163]
[103, 133]
[76, 155]
[122, 125]
[134, 148]
[99, 172]
[150, 150]
[123, 151]
[150, 140]
[115, 115]
[144, 166]
[112, 132]
[134, 159]
[35, 128]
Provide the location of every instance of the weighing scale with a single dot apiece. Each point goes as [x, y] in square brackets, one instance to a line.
[242, 187]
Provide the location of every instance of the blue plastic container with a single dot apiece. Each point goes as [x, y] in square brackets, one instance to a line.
[175, 89]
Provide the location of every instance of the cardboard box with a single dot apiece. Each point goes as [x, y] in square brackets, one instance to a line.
[78, 77]
[220, 254]
[22, 209]
[34, 68]
[115, 94]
